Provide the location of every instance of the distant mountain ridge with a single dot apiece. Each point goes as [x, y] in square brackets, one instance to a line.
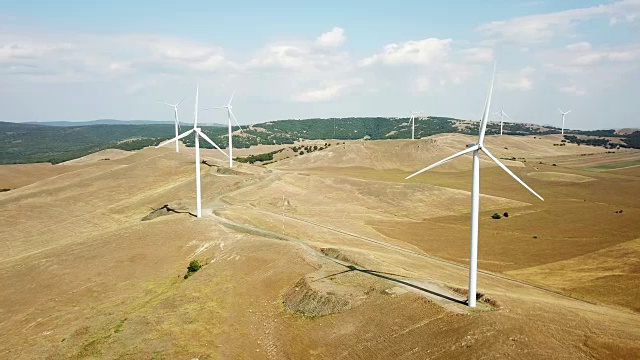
[111, 122]
[37, 142]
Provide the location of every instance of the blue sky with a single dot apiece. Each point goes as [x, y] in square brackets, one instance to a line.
[79, 60]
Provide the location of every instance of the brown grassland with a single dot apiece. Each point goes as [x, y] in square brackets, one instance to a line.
[327, 255]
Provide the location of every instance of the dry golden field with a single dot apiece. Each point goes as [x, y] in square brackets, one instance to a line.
[328, 255]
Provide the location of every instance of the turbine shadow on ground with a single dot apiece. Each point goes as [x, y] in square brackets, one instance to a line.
[384, 275]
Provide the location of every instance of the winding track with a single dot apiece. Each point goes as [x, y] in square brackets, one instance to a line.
[278, 173]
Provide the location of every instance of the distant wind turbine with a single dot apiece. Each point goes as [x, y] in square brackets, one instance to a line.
[413, 123]
[563, 115]
[502, 115]
[198, 133]
[475, 191]
[175, 115]
[229, 116]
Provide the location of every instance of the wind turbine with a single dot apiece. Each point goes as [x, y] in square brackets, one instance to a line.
[502, 115]
[175, 114]
[413, 123]
[563, 115]
[229, 116]
[475, 191]
[198, 133]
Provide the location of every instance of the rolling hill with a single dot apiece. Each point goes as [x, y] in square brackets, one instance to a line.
[30, 143]
[321, 255]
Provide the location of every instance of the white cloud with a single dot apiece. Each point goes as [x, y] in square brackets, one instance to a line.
[589, 58]
[295, 57]
[582, 57]
[333, 38]
[581, 46]
[328, 91]
[427, 65]
[303, 55]
[543, 27]
[479, 55]
[60, 57]
[283, 56]
[574, 90]
[27, 49]
[580, 69]
[521, 80]
[423, 85]
[420, 52]
[302, 69]
[627, 54]
[309, 70]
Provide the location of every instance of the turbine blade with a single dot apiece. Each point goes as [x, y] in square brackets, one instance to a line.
[236, 120]
[466, 151]
[561, 112]
[178, 104]
[567, 112]
[204, 136]
[195, 112]
[160, 102]
[487, 107]
[177, 120]
[234, 92]
[175, 138]
[505, 114]
[489, 154]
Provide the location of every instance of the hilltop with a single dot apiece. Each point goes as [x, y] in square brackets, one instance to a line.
[28, 143]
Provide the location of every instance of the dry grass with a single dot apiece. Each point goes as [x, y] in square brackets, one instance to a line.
[83, 277]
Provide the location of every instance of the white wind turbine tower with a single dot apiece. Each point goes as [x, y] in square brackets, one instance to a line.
[475, 192]
[229, 116]
[563, 113]
[413, 123]
[502, 115]
[175, 115]
[199, 133]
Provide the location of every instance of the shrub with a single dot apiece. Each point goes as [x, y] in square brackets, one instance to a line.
[4, 190]
[506, 214]
[194, 266]
[301, 153]
[260, 157]
[496, 216]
